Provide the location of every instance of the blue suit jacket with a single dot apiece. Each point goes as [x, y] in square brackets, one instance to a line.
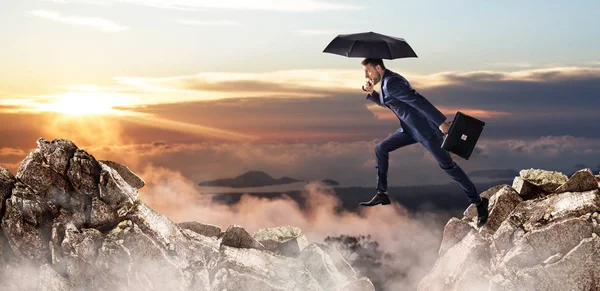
[418, 117]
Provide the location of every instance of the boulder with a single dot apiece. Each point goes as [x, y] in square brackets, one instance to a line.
[454, 231]
[546, 180]
[129, 176]
[362, 284]
[237, 236]
[581, 181]
[526, 189]
[7, 183]
[201, 228]
[286, 240]
[252, 269]
[546, 243]
[462, 267]
[322, 268]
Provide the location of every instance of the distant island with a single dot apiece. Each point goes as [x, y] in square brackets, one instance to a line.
[256, 179]
[330, 182]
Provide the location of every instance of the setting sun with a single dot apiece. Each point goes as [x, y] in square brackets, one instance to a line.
[85, 101]
[74, 104]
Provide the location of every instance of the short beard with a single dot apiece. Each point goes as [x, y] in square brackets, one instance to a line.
[376, 80]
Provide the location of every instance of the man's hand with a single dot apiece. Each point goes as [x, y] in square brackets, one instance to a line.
[368, 87]
[445, 126]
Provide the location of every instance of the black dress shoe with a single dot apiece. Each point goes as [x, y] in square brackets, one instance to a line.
[482, 212]
[379, 198]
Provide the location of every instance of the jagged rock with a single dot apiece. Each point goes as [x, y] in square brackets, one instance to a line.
[322, 268]
[52, 281]
[57, 153]
[577, 270]
[581, 181]
[130, 177]
[71, 222]
[454, 231]
[548, 243]
[26, 226]
[7, 183]
[206, 257]
[285, 239]
[252, 269]
[201, 228]
[237, 236]
[158, 226]
[462, 267]
[362, 284]
[546, 180]
[572, 204]
[501, 205]
[39, 176]
[340, 263]
[471, 212]
[77, 254]
[152, 264]
[532, 248]
[102, 215]
[115, 192]
[83, 173]
[527, 190]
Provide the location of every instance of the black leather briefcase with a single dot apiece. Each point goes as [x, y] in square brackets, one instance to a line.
[463, 135]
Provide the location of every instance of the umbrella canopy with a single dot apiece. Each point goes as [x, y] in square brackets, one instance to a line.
[370, 45]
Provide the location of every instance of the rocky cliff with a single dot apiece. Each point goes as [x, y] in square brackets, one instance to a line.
[71, 222]
[542, 234]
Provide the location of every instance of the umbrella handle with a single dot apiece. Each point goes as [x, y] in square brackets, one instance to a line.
[363, 86]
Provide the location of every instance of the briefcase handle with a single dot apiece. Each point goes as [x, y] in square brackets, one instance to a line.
[450, 127]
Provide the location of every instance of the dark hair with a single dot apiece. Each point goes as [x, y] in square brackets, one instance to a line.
[373, 62]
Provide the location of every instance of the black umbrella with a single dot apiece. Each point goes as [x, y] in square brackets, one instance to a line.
[370, 45]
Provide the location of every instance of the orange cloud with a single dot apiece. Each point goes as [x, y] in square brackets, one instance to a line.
[188, 128]
[11, 152]
[387, 114]
[479, 113]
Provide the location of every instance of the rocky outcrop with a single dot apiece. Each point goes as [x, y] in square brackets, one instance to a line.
[542, 234]
[71, 222]
[201, 228]
[285, 240]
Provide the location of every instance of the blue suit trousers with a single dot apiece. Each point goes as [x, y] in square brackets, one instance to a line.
[400, 139]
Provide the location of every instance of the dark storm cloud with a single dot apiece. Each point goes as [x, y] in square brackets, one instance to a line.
[559, 102]
[562, 92]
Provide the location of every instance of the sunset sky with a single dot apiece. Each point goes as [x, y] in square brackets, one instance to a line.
[211, 89]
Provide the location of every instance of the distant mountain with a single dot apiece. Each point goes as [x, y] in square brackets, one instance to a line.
[249, 179]
[330, 182]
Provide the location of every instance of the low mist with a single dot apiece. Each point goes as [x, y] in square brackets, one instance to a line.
[412, 238]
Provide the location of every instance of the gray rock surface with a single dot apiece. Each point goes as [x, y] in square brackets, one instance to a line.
[201, 228]
[581, 181]
[71, 222]
[526, 189]
[129, 176]
[530, 242]
[286, 240]
[546, 180]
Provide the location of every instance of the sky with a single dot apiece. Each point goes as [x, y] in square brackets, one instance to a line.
[184, 91]
[212, 89]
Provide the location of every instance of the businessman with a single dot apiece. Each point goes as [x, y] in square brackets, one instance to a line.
[420, 122]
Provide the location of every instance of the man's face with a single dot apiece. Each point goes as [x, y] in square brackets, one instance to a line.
[372, 73]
